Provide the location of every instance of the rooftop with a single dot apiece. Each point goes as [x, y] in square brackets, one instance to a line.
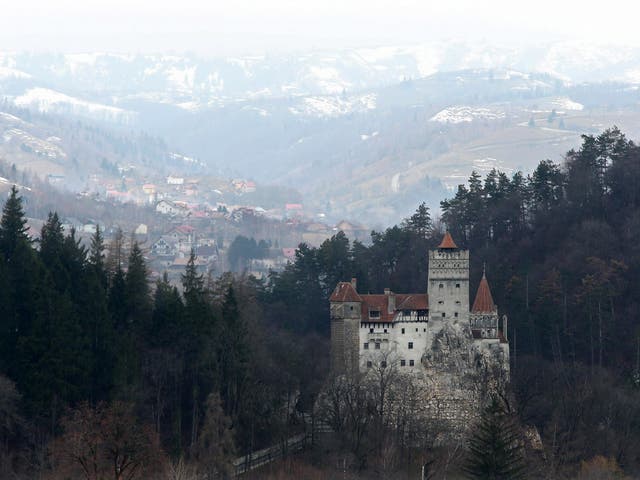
[484, 301]
[447, 242]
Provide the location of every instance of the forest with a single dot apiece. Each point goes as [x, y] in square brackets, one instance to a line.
[159, 378]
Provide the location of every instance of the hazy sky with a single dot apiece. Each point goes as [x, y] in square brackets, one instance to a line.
[259, 26]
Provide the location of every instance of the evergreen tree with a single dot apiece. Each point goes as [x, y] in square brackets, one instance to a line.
[96, 253]
[420, 222]
[200, 346]
[495, 449]
[167, 318]
[22, 274]
[234, 354]
[138, 299]
[13, 226]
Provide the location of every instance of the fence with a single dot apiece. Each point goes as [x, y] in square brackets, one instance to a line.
[267, 455]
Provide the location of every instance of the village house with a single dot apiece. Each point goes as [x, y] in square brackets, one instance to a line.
[175, 180]
[166, 207]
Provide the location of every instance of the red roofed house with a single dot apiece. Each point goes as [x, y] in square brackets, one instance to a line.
[430, 335]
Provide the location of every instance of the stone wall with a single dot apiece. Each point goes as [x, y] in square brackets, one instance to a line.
[461, 374]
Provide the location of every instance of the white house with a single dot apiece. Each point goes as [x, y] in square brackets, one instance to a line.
[173, 180]
[165, 207]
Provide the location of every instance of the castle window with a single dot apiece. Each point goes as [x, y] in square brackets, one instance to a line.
[455, 314]
[383, 364]
[410, 345]
[385, 330]
[351, 307]
[411, 363]
[369, 364]
[457, 302]
[416, 329]
[403, 331]
[457, 285]
[374, 313]
[441, 286]
[377, 346]
[440, 302]
[403, 363]
[425, 330]
[366, 346]
[371, 330]
[443, 314]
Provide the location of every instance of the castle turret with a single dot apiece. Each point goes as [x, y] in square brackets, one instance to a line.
[346, 313]
[448, 283]
[484, 313]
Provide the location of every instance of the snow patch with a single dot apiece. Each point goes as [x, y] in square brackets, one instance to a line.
[461, 114]
[8, 72]
[181, 79]
[334, 106]
[364, 136]
[260, 111]
[567, 104]
[49, 101]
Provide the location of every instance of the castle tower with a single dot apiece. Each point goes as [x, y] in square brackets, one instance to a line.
[346, 313]
[448, 282]
[483, 319]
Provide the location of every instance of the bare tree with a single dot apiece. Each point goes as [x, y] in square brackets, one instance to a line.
[214, 450]
[107, 442]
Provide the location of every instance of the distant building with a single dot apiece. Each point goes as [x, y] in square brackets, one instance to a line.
[173, 180]
[207, 253]
[164, 248]
[90, 227]
[293, 210]
[149, 188]
[141, 229]
[166, 207]
[55, 179]
[459, 354]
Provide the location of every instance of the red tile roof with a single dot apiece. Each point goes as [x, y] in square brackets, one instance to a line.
[184, 229]
[484, 301]
[412, 301]
[380, 302]
[447, 242]
[344, 292]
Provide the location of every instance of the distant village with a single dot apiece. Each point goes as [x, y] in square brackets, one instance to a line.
[206, 215]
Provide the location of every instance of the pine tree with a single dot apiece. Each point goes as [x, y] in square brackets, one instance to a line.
[167, 316]
[495, 449]
[234, 354]
[138, 300]
[96, 253]
[22, 275]
[13, 229]
[420, 222]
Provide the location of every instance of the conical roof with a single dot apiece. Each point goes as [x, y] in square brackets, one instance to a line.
[447, 242]
[484, 301]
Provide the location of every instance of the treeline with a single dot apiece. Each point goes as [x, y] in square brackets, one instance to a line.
[86, 331]
[559, 246]
[87, 339]
[561, 253]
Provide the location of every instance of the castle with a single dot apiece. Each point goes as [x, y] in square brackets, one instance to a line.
[457, 353]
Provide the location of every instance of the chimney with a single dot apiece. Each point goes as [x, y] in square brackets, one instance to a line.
[391, 304]
[354, 284]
